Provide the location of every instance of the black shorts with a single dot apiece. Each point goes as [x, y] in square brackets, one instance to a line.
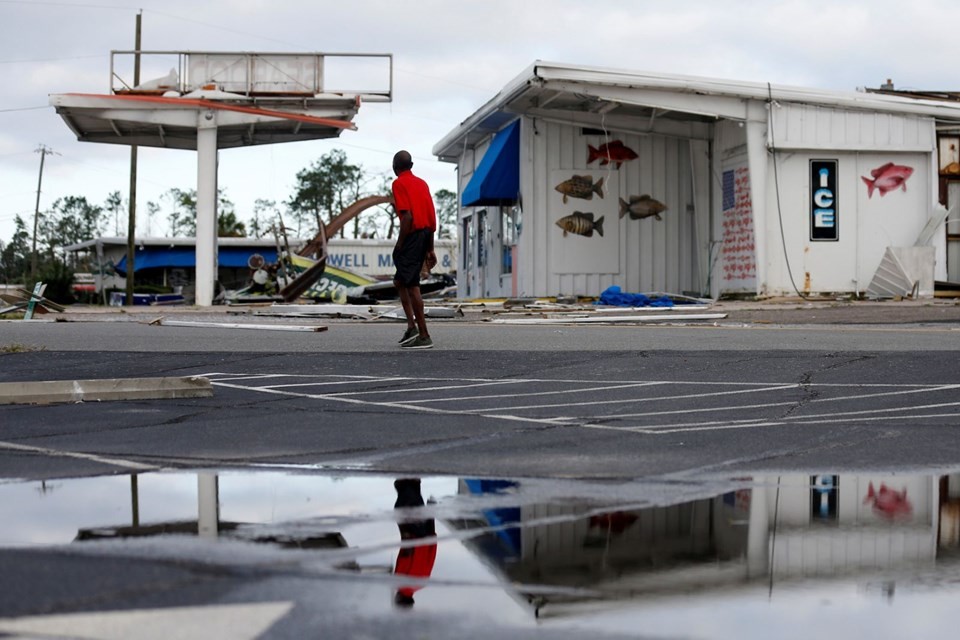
[409, 258]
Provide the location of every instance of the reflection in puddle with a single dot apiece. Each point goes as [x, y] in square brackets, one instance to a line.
[821, 550]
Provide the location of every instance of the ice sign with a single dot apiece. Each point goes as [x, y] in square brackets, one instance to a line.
[823, 200]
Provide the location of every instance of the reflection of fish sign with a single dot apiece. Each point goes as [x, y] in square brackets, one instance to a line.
[888, 502]
[581, 224]
[887, 178]
[581, 187]
[614, 151]
[641, 207]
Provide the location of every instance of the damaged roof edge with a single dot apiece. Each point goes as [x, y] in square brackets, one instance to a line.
[454, 139]
[447, 148]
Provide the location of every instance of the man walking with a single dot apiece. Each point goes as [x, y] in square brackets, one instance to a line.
[414, 248]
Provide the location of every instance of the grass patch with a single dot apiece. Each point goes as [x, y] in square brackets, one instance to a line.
[16, 347]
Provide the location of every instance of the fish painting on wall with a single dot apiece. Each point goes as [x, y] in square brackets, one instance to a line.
[641, 207]
[886, 178]
[582, 187]
[581, 224]
[614, 151]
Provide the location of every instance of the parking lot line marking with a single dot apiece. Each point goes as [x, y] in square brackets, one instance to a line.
[260, 376]
[639, 400]
[740, 407]
[423, 389]
[116, 462]
[655, 431]
[317, 384]
[537, 393]
[943, 387]
[389, 405]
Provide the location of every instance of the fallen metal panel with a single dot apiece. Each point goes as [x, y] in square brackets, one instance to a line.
[610, 319]
[46, 392]
[890, 279]
[234, 325]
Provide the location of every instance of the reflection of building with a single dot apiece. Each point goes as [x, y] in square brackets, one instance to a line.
[780, 531]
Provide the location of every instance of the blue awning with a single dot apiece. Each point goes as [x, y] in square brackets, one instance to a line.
[152, 257]
[497, 180]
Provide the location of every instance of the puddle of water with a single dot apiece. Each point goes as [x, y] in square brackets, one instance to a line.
[800, 554]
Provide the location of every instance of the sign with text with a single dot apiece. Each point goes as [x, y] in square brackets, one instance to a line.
[824, 211]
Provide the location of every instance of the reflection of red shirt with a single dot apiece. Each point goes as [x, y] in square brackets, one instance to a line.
[416, 562]
[412, 194]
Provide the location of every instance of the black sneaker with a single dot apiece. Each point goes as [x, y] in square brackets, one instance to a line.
[409, 336]
[419, 342]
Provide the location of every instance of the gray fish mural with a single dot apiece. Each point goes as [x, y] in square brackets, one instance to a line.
[580, 187]
[641, 207]
[581, 224]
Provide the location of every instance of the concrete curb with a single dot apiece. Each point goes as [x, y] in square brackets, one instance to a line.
[48, 392]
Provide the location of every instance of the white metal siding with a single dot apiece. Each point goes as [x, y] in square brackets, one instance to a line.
[804, 126]
[654, 255]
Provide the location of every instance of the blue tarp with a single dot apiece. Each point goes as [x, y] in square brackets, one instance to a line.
[153, 257]
[612, 296]
[497, 180]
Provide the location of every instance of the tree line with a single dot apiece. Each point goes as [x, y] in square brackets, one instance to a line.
[320, 192]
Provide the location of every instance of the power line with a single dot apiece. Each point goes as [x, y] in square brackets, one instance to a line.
[32, 60]
[50, 3]
[46, 106]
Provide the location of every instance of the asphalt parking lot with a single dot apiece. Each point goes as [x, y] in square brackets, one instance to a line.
[587, 434]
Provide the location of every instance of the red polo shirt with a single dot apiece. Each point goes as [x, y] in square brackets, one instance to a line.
[410, 193]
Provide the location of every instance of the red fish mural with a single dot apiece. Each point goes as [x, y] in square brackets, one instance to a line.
[889, 503]
[887, 178]
[614, 151]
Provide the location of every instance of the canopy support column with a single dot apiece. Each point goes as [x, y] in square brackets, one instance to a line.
[206, 209]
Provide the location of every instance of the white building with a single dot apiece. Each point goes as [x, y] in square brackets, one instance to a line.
[768, 190]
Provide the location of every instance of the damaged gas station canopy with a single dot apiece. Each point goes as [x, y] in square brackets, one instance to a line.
[209, 101]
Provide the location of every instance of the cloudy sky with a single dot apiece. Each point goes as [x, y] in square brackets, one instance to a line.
[451, 56]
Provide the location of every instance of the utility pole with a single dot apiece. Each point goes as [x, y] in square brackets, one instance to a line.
[44, 151]
[132, 222]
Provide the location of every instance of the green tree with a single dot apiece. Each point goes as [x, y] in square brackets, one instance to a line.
[445, 202]
[183, 211]
[265, 214]
[71, 219]
[114, 205]
[323, 189]
[15, 255]
[183, 214]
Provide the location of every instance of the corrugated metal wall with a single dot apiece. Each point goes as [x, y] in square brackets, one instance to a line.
[654, 255]
[801, 126]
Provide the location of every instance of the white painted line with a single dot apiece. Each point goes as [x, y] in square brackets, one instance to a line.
[234, 325]
[944, 387]
[390, 405]
[262, 376]
[242, 621]
[921, 407]
[741, 407]
[424, 389]
[319, 384]
[657, 399]
[766, 405]
[538, 393]
[789, 423]
[116, 462]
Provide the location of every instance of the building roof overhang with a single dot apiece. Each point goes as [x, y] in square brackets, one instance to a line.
[646, 103]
